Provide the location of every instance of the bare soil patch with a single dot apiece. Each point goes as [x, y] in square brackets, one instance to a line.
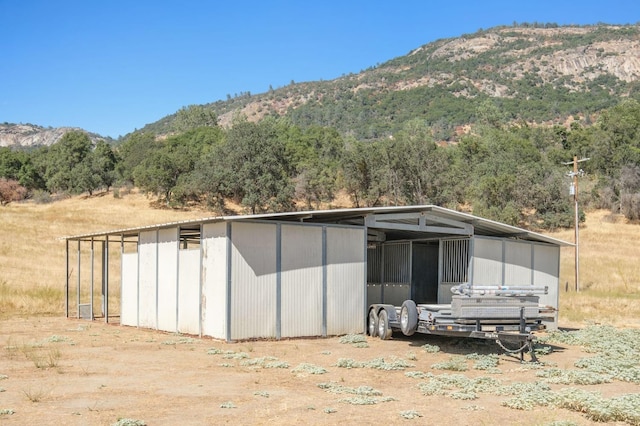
[73, 372]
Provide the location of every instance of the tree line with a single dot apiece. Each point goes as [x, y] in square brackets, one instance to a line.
[501, 170]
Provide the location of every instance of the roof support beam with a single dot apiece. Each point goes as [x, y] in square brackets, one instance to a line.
[398, 221]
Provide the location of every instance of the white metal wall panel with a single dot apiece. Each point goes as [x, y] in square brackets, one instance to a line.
[147, 251]
[214, 280]
[168, 279]
[129, 289]
[253, 280]
[517, 268]
[487, 261]
[301, 281]
[189, 291]
[546, 260]
[346, 280]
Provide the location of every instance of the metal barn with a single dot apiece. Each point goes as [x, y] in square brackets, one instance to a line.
[297, 274]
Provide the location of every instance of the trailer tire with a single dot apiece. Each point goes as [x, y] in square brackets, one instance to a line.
[408, 317]
[384, 331]
[372, 323]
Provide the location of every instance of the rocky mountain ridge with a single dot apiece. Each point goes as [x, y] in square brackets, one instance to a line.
[544, 74]
[31, 135]
[502, 63]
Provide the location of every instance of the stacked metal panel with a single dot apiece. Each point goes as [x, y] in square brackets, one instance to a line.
[253, 280]
[129, 289]
[167, 279]
[346, 280]
[214, 279]
[301, 281]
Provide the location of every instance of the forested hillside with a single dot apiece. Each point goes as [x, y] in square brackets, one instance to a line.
[480, 123]
[532, 72]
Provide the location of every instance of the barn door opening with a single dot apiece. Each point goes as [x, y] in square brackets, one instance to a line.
[424, 286]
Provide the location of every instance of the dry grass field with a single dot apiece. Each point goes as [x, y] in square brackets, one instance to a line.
[55, 370]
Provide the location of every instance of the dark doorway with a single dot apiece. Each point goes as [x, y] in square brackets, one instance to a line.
[424, 273]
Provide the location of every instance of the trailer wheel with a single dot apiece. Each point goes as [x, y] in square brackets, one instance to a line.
[372, 324]
[384, 331]
[408, 318]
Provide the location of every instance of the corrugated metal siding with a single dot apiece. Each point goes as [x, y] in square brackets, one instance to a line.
[396, 275]
[129, 290]
[253, 280]
[546, 260]
[487, 261]
[346, 280]
[214, 281]
[397, 263]
[517, 268]
[374, 265]
[189, 291]
[167, 279]
[301, 281]
[147, 279]
[374, 275]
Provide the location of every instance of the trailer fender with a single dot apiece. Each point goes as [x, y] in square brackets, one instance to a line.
[391, 311]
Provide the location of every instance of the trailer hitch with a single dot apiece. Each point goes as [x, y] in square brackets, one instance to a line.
[527, 345]
[524, 336]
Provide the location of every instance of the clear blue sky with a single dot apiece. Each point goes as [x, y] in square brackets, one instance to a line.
[112, 66]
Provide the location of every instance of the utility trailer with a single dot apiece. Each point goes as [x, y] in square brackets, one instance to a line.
[506, 314]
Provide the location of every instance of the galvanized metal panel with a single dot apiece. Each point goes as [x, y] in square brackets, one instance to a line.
[546, 262]
[374, 264]
[487, 261]
[147, 252]
[189, 291]
[346, 280]
[517, 267]
[129, 289]
[253, 280]
[374, 293]
[396, 294]
[214, 280]
[454, 266]
[167, 279]
[301, 281]
[397, 263]
[455, 261]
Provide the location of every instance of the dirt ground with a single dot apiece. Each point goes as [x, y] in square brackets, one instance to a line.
[58, 371]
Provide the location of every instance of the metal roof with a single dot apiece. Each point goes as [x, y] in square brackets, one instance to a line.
[400, 220]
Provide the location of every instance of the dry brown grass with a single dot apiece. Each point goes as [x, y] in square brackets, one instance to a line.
[609, 272]
[32, 257]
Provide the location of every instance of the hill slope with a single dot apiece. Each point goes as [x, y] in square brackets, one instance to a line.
[532, 74]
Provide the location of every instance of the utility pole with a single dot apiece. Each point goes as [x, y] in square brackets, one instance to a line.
[574, 191]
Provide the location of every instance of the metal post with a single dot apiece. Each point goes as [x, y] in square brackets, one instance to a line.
[102, 277]
[78, 286]
[66, 281]
[105, 285]
[576, 220]
[278, 281]
[121, 274]
[92, 279]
